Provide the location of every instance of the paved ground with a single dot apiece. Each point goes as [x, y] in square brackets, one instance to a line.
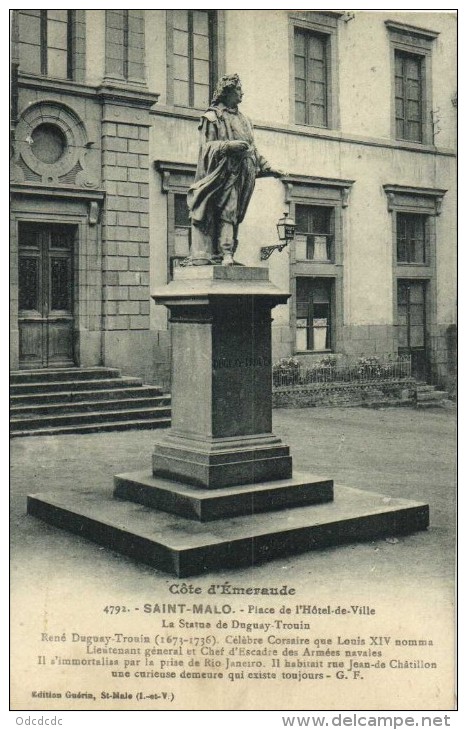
[399, 452]
[62, 583]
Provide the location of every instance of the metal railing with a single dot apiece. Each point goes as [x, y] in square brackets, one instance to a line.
[290, 372]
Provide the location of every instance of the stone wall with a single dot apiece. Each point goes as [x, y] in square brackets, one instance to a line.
[128, 342]
[400, 392]
[443, 352]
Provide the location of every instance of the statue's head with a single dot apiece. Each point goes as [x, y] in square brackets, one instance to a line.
[227, 86]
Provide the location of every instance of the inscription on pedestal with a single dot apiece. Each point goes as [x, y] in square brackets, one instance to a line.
[249, 362]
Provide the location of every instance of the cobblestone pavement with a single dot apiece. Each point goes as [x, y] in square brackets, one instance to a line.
[398, 452]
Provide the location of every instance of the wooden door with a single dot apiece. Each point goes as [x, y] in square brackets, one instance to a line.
[45, 295]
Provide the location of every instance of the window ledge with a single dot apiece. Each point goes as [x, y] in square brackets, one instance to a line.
[55, 191]
[177, 112]
[119, 92]
[126, 94]
[309, 131]
[313, 268]
[403, 264]
[337, 135]
[49, 83]
[413, 270]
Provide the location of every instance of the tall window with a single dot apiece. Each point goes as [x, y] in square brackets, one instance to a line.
[182, 230]
[408, 87]
[411, 306]
[411, 238]
[317, 261]
[124, 44]
[314, 238]
[414, 213]
[193, 51]
[176, 178]
[45, 42]
[314, 305]
[116, 42]
[412, 99]
[311, 77]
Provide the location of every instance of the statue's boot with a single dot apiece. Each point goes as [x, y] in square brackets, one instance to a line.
[226, 243]
[201, 248]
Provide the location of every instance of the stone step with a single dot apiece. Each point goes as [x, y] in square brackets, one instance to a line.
[433, 404]
[66, 397]
[377, 404]
[19, 423]
[432, 395]
[60, 374]
[185, 547]
[77, 406]
[75, 385]
[212, 504]
[424, 388]
[83, 400]
[98, 426]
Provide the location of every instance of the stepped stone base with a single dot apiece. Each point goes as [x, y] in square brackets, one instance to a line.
[222, 462]
[185, 547]
[221, 493]
[207, 504]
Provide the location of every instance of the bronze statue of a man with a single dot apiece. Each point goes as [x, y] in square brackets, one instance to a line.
[228, 165]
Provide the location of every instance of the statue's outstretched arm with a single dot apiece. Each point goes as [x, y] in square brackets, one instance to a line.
[265, 169]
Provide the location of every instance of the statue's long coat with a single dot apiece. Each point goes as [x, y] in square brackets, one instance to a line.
[224, 183]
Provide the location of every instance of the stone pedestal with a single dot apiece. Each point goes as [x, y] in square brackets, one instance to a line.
[220, 470]
[221, 379]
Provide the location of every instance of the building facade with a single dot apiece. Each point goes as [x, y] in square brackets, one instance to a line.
[359, 109]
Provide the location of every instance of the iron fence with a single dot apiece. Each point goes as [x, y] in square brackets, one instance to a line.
[290, 372]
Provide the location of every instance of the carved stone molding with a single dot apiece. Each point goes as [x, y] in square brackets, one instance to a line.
[176, 176]
[53, 191]
[410, 32]
[47, 84]
[299, 185]
[126, 95]
[424, 200]
[70, 167]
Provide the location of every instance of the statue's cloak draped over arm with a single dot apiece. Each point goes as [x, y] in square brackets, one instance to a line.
[211, 173]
